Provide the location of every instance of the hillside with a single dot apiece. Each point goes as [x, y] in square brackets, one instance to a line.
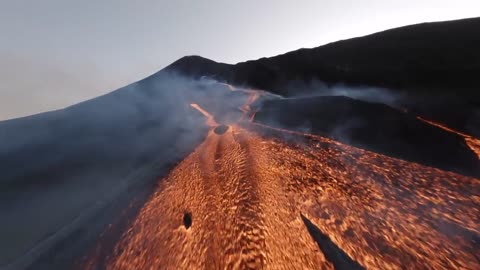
[428, 57]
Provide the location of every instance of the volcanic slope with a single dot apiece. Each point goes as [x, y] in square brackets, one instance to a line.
[237, 202]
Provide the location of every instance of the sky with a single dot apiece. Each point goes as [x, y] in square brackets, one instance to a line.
[55, 53]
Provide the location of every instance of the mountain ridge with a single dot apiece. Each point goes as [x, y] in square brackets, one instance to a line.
[426, 57]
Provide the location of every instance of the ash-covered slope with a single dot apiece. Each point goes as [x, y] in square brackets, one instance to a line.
[57, 166]
[124, 124]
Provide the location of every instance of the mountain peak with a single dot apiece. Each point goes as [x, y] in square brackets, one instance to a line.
[193, 58]
[197, 66]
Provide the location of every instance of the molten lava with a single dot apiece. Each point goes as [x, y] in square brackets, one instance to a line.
[471, 141]
[247, 109]
[245, 193]
[210, 121]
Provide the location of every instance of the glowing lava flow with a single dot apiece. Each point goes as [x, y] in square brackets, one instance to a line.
[247, 109]
[245, 192]
[229, 86]
[471, 141]
[210, 121]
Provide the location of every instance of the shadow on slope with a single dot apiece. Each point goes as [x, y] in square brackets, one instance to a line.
[334, 254]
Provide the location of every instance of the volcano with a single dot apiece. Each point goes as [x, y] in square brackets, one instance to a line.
[205, 165]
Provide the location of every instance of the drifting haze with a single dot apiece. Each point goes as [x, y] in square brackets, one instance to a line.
[55, 53]
[122, 139]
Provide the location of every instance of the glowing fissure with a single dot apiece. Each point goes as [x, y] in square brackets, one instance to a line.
[471, 141]
[210, 120]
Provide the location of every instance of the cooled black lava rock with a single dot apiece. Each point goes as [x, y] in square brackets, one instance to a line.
[375, 127]
[221, 129]
[187, 220]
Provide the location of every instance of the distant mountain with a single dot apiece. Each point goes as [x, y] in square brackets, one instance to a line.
[428, 57]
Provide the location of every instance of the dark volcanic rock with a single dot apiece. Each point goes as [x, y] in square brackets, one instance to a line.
[197, 66]
[457, 114]
[187, 220]
[439, 60]
[333, 253]
[432, 57]
[376, 127]
[221, 129]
